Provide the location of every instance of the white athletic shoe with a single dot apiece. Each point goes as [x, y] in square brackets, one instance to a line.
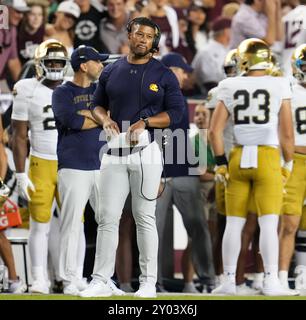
[71, 289]
[81, 284]
[244, 290]
[146, 290]
[116, 291]
[300, 279]
[257, 283]
[40, 286]
[228, 287]
[273, 287]
[17, 287]
[96, 289]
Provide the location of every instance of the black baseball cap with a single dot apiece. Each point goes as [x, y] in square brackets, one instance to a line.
[83, 54]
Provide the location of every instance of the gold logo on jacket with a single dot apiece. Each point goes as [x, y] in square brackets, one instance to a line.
[154, 87]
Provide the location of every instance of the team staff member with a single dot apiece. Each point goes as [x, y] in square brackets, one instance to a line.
[78, 159]
[32, 109]
[183, 190]
[261, 110]
[141, 90]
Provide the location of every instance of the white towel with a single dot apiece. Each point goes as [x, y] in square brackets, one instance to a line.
[249, 157]
[119, 141]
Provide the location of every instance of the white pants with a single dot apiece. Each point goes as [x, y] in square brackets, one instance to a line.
[76, 187]
[119, 176]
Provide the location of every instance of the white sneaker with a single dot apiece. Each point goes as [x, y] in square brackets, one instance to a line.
[146, 290]
[81, 284]
[71, 289]
[39, 286]
[96, 289]
[116, 291]
[227, 288]
[17, 286]
[244, 290]
[300, 279]
[273, 287]
[257, 283]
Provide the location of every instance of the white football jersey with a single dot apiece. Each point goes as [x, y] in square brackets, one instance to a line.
[32, 103]
[295, 35]
[228, 134]
[254, 104]
[299, 114]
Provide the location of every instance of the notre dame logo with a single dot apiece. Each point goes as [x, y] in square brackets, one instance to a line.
[154, 87]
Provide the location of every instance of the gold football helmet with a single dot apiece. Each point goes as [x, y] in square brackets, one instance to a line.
[230, 63]
[253, 54]
[275, 70]
[51, 49]
[298, 60]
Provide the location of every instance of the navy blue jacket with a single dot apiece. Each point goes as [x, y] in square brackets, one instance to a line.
[76, 148]
[134, 91]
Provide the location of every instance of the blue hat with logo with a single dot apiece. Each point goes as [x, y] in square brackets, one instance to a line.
[83, 54]
[174, 59]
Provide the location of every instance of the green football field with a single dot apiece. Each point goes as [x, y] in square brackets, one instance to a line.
[160, 297]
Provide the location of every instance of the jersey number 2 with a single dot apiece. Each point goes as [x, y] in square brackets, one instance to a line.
[49, 122]
[246, 103]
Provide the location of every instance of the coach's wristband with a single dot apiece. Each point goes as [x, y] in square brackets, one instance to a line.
[221, 160]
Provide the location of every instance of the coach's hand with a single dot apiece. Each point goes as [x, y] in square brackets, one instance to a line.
[134, 131]
[110, 127]
[221, 174]
[23, 183]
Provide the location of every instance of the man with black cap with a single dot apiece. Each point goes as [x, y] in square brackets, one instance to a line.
[183, 190]
[78, 159]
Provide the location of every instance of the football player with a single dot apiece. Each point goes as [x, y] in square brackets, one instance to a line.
[230, 69]
[32, 111]
[296, 185]
[259, 106]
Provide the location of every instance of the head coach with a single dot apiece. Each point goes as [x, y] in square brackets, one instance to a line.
[141, 91]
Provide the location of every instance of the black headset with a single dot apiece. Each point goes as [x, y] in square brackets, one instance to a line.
[146, 22]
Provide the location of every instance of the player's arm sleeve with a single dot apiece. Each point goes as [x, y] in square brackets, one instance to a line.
[20, 110]
[64, 110]
[100, 97]
[224, 95]
[174, 102]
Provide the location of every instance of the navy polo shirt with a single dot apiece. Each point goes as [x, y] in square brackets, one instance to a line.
[76, 148]
[134, 91]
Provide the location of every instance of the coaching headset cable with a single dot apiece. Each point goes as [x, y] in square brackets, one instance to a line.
[163, 143]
